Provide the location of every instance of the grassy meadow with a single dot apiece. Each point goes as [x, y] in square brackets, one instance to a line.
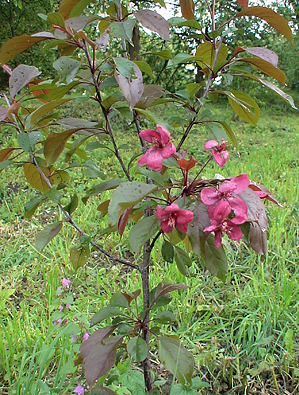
[244, 334]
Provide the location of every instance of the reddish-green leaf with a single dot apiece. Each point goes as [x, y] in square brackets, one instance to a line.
[267, 68]
[215, 258]
[154, 22]
[66, 7]
[137, 349]
[55, 143]
[3, 113]
[123, 219]
[46, 109]
[255, 208]
[6, 153]
[20, 77]
[272, 87]
[17, 45]
[164, 288]
[103, 314]
[34, 177]
[176, 359]
[200, 221]
[182, 260]
[133, 88]
[46, 235]
[79, 256]
[257, 239]
[31, 206]
[206, 53]
[96, 337]
[271, 17]
[101, 358]
[187, 8]
[260, 52]
[142, 231]
[126, 195]
[243, 105]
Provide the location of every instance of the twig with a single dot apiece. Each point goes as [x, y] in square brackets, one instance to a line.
[208, 86]
[99, 99]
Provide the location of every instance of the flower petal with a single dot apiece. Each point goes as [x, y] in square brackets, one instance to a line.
[168, 150]
[154, 158]
[238, 205]
[242, 181]
[211, 144]
[150, 136]
[160, 213]
[172, 208]
[167, 225]
[143, 159]
[218, 238]
[220, 158]
[165, 135]
[220, 212]
[210, 196]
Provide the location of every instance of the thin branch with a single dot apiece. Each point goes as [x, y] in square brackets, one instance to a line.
[208, 86]
[99, 99]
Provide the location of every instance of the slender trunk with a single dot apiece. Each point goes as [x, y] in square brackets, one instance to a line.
[146, 304]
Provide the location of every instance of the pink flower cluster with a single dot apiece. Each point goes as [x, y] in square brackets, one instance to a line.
[173, 216]
[221, 201]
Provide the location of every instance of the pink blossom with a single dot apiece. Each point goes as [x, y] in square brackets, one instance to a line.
[227, 192]
[64, 321]
[228, 227]
[66, 283]
[174, 216]
[67, 306]
[74, 337]
[86, 336]
[56, 322]
[60, 308]
[219, 153]
[161, 149]
[79, 390]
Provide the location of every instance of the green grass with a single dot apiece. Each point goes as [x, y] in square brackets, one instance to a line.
[243, 333]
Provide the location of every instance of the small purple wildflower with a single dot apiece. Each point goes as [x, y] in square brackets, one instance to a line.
[56, 322]
[79, 390]
[66, 283]
[67, 306]
[74, 337]
[60, 308]
[86, 336]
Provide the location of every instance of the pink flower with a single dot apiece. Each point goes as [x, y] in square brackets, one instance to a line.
[74, 337]
[64, 321]
[79, 390]
[86, 336]
[67, 306]
[219, 153]
[66, 283]
[56, 322]
[227, 192]
[174, 216]
[161, 149]
[228, 227]
[60, 308]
